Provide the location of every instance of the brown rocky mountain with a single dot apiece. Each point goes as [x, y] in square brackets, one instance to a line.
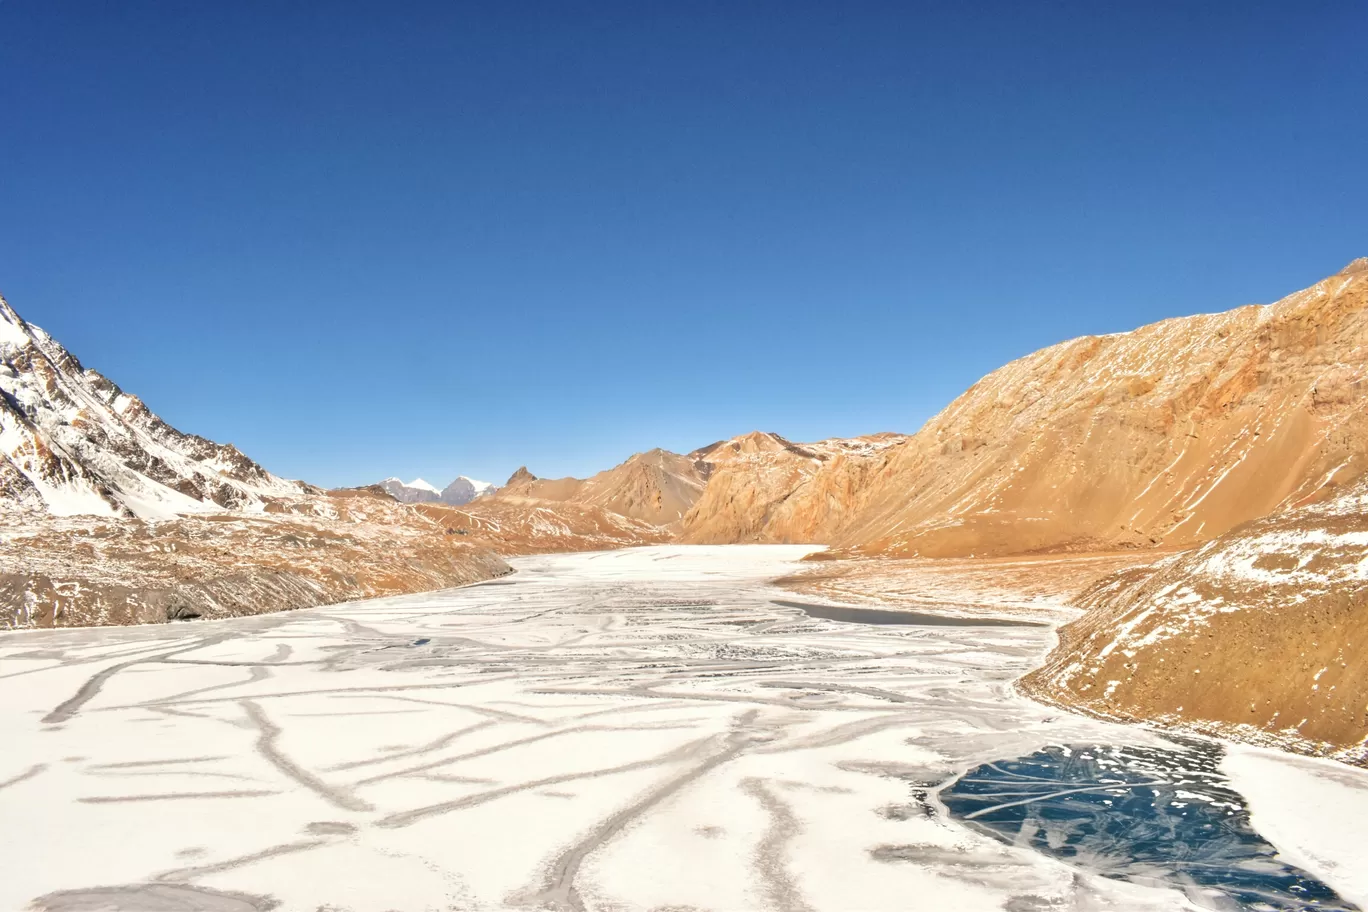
[1171, 435]
[763, 488]
[656, 487]
[1258, 635]
[108, 515]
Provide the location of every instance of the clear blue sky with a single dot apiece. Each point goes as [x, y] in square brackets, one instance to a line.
[363, 239]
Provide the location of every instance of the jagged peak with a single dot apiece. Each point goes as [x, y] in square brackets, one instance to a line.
[522, 475]
[1355, 267]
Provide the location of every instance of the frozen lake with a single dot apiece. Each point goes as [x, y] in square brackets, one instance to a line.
[646, 729]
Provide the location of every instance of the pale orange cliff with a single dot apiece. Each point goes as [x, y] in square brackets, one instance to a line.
[1169, 435]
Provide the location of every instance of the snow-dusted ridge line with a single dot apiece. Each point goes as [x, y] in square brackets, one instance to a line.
[72, 442]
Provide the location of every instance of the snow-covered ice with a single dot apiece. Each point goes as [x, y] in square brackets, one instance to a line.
[639, 729]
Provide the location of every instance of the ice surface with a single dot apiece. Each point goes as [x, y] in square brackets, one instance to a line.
[640, 729]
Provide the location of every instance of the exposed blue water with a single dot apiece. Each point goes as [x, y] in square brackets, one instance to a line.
[1153, 816]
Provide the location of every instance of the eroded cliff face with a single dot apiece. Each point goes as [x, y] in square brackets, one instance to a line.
[1259, 634]
[1170, 435]
[763, 488]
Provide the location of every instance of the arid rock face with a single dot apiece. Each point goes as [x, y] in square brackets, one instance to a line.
[1260, 635]
[72, 442]
[1169, 435]
[763, 488]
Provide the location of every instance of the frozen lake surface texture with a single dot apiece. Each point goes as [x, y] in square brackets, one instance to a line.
[655, 729]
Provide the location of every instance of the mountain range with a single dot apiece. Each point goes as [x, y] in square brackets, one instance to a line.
[461, 491]
[1232, 446]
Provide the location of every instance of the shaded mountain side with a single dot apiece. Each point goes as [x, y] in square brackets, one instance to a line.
[72, 442]
[1171, 435]
[463, 490]
[1257, 635]
[80, 571]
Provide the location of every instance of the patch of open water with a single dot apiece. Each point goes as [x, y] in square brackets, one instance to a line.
[1151, 816]
[911, 618]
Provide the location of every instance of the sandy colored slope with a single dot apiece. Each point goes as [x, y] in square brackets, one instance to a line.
[1169, 435]
[1259, 634]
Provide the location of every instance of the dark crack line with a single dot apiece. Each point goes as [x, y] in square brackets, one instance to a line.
[558, 890]
[268, 748]
[26, 774]
[770, 860]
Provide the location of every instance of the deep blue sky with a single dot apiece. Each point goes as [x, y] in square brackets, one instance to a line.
[363, 239]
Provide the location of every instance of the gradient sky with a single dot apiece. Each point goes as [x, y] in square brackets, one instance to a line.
[365, 239]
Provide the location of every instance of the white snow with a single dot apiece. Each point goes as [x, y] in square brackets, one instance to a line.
[1314, 811]
[421, 485]
[481, 487]
[645, 728]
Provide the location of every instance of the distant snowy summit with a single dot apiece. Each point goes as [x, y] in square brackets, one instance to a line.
[461, 491]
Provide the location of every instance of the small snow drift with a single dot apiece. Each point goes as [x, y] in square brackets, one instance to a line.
[72, 443]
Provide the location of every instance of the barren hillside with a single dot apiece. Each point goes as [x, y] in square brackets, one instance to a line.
[1259, 634]
[1171, 435]
[83, 570]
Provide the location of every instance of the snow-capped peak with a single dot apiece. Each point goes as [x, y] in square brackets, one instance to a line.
[481, 487]
[422, 485]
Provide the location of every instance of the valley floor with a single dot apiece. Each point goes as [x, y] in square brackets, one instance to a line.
[656, 728]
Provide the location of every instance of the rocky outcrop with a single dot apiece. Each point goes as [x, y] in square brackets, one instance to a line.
[72, 442]
[1258, 635]
[1169, 435]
